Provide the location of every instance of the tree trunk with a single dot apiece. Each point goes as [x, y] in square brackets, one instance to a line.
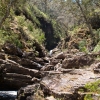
[85, 17]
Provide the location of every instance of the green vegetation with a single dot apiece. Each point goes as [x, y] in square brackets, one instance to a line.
[82, 46]
[58, 32]
[31, 30]
[97, 47]
[11, 37]
[93, 88]
[28, 24]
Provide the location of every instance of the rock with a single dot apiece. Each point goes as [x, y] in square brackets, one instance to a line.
[46, 59]
[58, 67]
[2, 56]
[12, 49]
[17, 68]
[77, 61]
[29, 64]
[29, 54]
[50, 98]
[41, 61]
[13, 84]
[25, 62]
[41, 50]
[27, 93]
[54, 61]
[96, 67]
[12, 72]
[47, 68]
[46, 78]
[18, 76]
[66, 85]
[60, 56]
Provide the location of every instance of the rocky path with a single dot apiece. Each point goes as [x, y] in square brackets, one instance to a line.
[67, 85]
[60, 75]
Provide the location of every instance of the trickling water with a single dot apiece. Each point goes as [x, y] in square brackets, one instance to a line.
[8, 95]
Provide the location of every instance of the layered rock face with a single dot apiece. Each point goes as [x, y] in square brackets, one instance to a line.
[18, 68]
[60, 75]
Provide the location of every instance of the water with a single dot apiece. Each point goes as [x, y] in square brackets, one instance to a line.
[8, 95]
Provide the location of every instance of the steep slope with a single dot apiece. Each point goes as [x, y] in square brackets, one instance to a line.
[29, 28]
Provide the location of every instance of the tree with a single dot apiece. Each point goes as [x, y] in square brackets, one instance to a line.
[5, 7]
[84, 15]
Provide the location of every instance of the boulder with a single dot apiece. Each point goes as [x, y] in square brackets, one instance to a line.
[60, 56]
[12, 72]
[96, 67]
[2, 56]
[26, 62]
[30, 93]
[77, 61]
[13, 67]
[12, 49]
[54, 61]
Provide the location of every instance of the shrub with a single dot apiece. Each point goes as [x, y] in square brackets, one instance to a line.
[82, 46]
[97, 47]
[93, 88]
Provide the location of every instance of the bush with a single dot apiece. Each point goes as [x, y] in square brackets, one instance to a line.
[93, 88]
[97, 47]
[82, 46]
[9, 36]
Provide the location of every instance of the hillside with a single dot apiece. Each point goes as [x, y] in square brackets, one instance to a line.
[50, 49]
[27, 25]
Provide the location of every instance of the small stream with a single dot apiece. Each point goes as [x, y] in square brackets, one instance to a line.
[8, 95]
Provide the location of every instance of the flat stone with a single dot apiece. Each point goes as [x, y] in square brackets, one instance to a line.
[68, 83]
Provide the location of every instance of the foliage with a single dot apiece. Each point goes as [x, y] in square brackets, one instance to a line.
[6, 6]
[82, 46]
[92, 88]
[11, 37]
[97, 40]
[30, 23]
[21, 20]
[31, 30]
[97, 47]
[57, 29]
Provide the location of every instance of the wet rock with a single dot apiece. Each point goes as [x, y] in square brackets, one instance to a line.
[7, 95]
[25, 62]
[30, 64]
[27, 93]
